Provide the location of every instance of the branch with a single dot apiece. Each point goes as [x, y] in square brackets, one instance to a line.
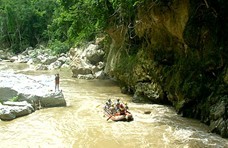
[206, 3]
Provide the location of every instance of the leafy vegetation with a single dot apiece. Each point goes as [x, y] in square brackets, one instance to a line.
[59, 22]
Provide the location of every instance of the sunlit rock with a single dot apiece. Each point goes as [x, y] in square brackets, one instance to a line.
[55, 65]
[14, 58]
[87, 61]
[99, 75]
[62, 59]
[36, 92]
[81, 71]
[65, 65]
[12, 110]
[87, 77]
[49, 60]
[41, 67]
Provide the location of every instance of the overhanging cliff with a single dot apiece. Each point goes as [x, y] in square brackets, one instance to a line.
[175, 52]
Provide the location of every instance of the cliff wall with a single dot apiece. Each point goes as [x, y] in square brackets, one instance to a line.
[175, 52]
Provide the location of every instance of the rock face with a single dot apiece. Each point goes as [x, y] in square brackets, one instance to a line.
[27, 94]
[176, 54]
[87, 62]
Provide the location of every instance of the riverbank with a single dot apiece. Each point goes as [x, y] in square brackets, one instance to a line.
[81, 122]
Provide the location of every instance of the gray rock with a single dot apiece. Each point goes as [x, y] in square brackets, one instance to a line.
[55, 65]
[6, 113]
[81, 71]
[49, 60]
[87, 77]
[30, 91]
[7, 93]
[62, 59]
[41, 67]
[13, 59]
[11, 110]
[87, 61]
[100, 75]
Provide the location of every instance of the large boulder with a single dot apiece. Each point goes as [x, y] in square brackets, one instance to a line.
[12, 110]
[49, 60]
[81, 71]
[27, 93]
[87, 63]
[93, 54]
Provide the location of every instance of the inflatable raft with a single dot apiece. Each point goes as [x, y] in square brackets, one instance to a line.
[127, 116]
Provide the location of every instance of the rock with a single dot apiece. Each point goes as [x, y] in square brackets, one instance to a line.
[41, 67]
[49, 60]
[55, 65]
[22, 58]
[65, 66]
[87, 77]
[15, 109]
[95, 69]
[81, 71]
[62, 59]
[148, 92]
[100, 75]
[87, 61]
[218, 110]
[13, 59]
[6, 113]
[7, 93]
[95, 56]
[30, 62]
[147, 112]
[29, 90]
[101, 65]
[55, 99]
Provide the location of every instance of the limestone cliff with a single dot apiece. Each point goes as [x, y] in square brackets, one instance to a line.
[175, 52]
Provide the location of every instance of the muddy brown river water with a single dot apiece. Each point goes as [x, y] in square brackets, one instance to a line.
[82, 125]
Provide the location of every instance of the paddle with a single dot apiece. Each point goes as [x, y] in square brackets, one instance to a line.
[98, 105]
[109, 117]
[108, 114]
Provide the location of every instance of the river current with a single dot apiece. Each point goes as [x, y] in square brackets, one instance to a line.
[82, 125]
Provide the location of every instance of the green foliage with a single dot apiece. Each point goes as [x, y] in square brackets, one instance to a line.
[30, 22]
[14, 99]
[126, 63]
[23, 22]
[58, 47]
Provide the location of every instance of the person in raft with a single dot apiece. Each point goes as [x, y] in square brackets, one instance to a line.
[56, 82]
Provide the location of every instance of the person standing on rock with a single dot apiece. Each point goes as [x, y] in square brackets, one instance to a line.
[56, 82]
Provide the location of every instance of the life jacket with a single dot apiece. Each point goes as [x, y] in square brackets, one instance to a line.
[122, 109]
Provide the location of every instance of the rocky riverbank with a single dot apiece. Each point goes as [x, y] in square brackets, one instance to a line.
[86, 62]
[22, 94]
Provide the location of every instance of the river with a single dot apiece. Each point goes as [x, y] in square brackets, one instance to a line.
[82, 125]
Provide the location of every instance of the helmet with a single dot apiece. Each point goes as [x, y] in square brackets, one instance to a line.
[121, 106]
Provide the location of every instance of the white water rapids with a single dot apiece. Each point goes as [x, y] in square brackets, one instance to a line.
[81, 124]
